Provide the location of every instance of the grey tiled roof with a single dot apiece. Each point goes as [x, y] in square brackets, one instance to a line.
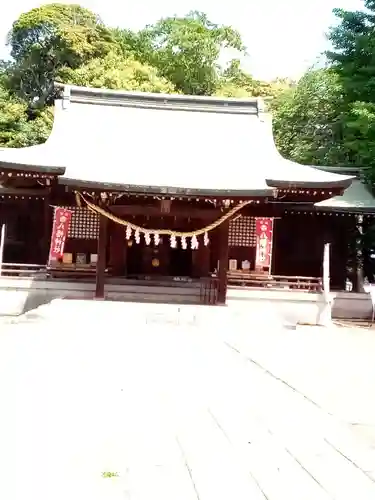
[165, 144]
[357, 196]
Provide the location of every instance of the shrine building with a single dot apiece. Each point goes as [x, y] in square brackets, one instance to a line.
[157, 188]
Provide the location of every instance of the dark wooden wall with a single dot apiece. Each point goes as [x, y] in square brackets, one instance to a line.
[26, 240]
[299, 240]
[243, 253]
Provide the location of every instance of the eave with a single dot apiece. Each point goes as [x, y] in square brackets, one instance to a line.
[168, 190]
[170, 145]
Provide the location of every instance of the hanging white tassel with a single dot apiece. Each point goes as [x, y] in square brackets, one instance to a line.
[194, 242]
[183, 243]
[173, 241]
[206, 239]
[147, 238]
[128, 232]
[156, 239]
[137, 236]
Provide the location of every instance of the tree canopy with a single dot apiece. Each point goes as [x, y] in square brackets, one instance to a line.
[309, 121]
[16, 129]
[330, 117]
[69, 43]
[353, 59]
[116, 72]
[235, 82]
[49, 38]
[186, 50]
[327, 118]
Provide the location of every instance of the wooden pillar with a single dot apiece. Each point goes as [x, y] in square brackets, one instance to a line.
[124, 254]
[163, 254]
[223, 262]
[201, 259]
[205, 256]
[118, 249]
[101, 262]
[45, 241]
[359, 276]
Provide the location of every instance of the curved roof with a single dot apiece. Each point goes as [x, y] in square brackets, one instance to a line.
[168, 144]
[356, 198]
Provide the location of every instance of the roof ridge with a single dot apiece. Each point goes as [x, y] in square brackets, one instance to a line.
[110, 97]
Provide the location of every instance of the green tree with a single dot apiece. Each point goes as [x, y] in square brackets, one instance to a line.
[353, 59]
[280, 85]
[48, 38]
[228, 89]
[309, 120]
[353, 53]
[235, 80]
[116, 72]
[186, 50]
[129, 42]
[17, 128]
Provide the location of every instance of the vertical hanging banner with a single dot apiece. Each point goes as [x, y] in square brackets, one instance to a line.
[60, 229]
[263, 231]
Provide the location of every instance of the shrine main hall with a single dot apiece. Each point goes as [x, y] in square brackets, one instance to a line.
[166, 189]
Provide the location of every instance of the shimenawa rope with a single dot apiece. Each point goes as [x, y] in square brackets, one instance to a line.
[94, 208]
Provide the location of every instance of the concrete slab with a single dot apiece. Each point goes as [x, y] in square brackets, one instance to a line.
[173, 407]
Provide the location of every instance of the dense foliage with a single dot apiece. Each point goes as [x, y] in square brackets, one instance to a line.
[309, 120]
[328, 118]
[49, 38]
[186, 51]
[19, 126]
[68, 43]
[117, 72]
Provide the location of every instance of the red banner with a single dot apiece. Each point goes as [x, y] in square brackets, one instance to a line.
[263, 230]
[59, 233]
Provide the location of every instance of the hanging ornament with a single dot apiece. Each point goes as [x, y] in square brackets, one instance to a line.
[206, 239]
[128, 232]
[137, 236]
[147, 238]
[194, 243]
[156, 239]
[183, 243]
[173, 241]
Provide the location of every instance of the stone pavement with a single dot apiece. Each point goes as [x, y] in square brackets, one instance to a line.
[333, 367]
[180, 403]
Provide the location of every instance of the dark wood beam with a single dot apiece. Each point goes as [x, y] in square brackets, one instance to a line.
[193, 213]
[20, 192]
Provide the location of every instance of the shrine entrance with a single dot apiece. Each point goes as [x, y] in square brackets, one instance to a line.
[160, 260]
[180, 261]
[134, 258]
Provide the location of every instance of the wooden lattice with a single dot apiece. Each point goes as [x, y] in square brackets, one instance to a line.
[84, 224]
[242, 232]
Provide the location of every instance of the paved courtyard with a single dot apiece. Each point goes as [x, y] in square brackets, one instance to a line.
[121, 401]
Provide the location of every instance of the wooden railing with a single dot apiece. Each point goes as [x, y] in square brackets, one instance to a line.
[72, 272]
[208, 286]
[22, 270]
[209, 291]
[303, 283]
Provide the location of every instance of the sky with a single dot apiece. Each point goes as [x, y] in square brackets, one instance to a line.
[283, 38]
